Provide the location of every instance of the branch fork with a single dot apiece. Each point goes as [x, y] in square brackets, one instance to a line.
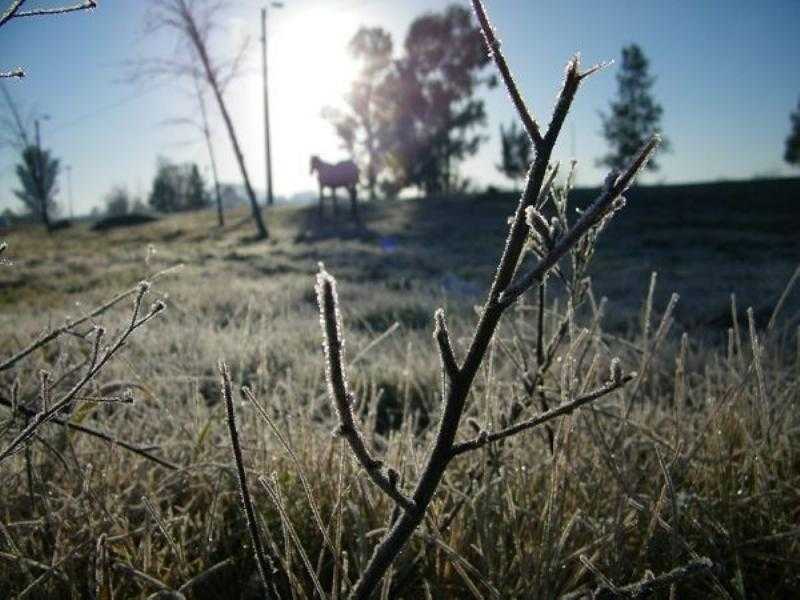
[506, 288]
[330, 319]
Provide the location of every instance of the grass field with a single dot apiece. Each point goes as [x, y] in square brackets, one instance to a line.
[698, 457]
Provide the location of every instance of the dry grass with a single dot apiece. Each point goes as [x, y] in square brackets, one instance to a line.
[706, 464]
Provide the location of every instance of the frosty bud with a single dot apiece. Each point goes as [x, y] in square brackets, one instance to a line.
[616, 371]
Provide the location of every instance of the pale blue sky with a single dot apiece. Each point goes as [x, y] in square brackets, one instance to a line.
[727, 78]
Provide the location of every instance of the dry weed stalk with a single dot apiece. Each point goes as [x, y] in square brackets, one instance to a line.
[56, 414]
[72, 324]
[648, 586]
[99, 357]
[551, 243]
[266, 568]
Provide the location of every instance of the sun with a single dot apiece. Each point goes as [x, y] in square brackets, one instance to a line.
[311, 54]
[311, 69]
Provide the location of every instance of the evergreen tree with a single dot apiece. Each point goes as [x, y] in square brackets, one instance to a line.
[635, 116]
[178, 187]
[517, 152]
[196, 193]
[118, 202]
[792, 153]
[38, 176]
[165, 195]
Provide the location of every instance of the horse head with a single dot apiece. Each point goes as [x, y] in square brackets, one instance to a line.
[314, 163]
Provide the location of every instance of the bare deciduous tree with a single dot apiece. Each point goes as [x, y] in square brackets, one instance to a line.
[195, 22]
[201, 101]
[204, 127]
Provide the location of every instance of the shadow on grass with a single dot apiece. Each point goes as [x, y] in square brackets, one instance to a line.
[314, 227]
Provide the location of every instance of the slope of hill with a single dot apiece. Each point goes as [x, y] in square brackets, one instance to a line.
[696, 457]
[705, 241]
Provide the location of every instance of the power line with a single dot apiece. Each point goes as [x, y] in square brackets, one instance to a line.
[107, 108]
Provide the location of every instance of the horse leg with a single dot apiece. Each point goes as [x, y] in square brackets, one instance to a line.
[335, 202]
[321, 196]
[354, 203]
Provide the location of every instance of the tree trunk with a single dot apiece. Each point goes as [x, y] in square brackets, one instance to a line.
[212, 158]
[39, 178]
[199, 45]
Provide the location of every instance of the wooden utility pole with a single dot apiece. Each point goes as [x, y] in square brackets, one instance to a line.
[267, 144]
[267, 147]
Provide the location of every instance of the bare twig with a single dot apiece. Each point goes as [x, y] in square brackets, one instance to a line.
[266, 568]
[486, 437]
[70, 325]
[142, 451]
[647, 587]
[14, 12]
[591, 217]
[11, 11]
[343, 399]
[43, 12]
[493, 45]
[442, 335]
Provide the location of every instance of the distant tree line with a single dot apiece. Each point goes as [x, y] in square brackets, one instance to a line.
[178, 187]
[175, 188]
[411, 120]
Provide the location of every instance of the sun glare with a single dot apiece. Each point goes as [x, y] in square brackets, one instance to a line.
[311, 57]
[310, 69]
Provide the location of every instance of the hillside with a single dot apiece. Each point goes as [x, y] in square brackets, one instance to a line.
[746, 230]
[694, 458]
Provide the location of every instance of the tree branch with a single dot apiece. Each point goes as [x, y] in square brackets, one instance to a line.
[42, 12]
[11, 11]
[485, 437]
[645, 588]
[69, 325]
[438, 459]
[143, 451]
[496, 304]
[330, 321]
[97, 362]
[591, 217]
[442, 335]
[493, 45]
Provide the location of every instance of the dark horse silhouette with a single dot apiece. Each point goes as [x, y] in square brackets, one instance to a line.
[343, 174]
